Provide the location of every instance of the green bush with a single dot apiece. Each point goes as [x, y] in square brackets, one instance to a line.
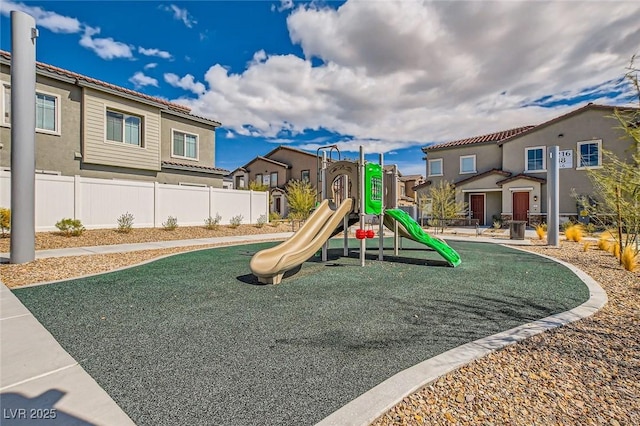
[261, 221]
[5, 220]
[274, 216]
[212, 222]
[70, 227]
[171, 223]
[125, 223]
[235, 221]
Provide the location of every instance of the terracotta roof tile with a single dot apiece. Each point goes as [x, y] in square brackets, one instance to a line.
[491, 137]
[521, 176]
[79, 77]
[194, 167]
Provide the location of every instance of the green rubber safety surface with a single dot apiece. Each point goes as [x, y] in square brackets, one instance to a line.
[193, 339]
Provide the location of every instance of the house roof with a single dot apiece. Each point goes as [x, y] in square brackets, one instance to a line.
[422, 185]
[288, 148]
[521, 176]
[83, 80]
[411, 177]
[483, 174]
[193, 168]
[491, 137]
[589, 106]
[268, 160]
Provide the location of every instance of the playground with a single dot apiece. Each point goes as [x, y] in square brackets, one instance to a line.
[194, 337]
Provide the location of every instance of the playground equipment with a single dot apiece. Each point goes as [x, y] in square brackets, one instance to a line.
[349, 191]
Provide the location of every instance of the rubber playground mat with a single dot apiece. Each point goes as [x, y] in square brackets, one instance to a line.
[193, 339]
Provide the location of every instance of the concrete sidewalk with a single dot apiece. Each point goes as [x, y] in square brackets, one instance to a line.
[40, 379]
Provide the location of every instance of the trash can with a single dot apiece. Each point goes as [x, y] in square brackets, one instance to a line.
[516, 229]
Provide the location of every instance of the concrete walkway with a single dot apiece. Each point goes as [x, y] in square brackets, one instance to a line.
[39, 379]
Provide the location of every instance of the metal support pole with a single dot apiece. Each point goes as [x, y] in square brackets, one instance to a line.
[23, 124]
[325, 196]
[363, 246]
[553, 197]
[396, 237]
[381, 216]
[345, 221]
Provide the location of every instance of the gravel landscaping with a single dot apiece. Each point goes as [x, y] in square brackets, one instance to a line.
[584, 373]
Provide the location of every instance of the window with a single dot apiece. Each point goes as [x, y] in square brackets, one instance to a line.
[185, 145]
[467, 164]
[47, 110]
[274, 180]
[124, 128]
[305, 175]
[535, 159]
[6, 104]
[435, 167]
[259, 178]
[589, 154]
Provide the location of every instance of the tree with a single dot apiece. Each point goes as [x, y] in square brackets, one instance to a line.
[617, 183]
[443, 203]
[301, 197]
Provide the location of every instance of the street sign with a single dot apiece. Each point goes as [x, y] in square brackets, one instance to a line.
[565, 159]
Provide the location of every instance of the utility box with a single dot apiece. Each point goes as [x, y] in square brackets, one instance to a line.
[372, 188]
[516, 229]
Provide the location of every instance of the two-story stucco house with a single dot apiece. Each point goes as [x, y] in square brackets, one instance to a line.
[91, 128]
[274, 170]
[503, 175]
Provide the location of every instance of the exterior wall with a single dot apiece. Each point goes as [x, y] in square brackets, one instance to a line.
[265, 168]
[298, 162]
[54, 152]
[96, 150]
[488, 156]
[593, 124]
[206, 139]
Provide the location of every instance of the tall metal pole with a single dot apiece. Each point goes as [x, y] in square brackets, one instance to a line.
[23, 137]
[381, 216]
[325, 196]
[345, 221]
[363, 246]
[396, 237]
[553, 197]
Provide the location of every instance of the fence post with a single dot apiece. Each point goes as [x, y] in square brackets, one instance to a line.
[250, 205]
[156, 208]
[77, 201]
[210, 201]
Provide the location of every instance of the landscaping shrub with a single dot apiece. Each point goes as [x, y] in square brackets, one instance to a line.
[125, 223]
[212, 222]
[574, 232]
[235, 221]
[5, 220]
[604, 244]
[541, 230]
[586, 246]
[70, 227]
[629, 259]
[171, 223]
[261, 221]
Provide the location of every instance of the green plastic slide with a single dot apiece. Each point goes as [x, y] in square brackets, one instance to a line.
[409, 228]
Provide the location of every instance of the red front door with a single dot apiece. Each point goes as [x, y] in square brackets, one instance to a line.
[476, 203]
[520, 206]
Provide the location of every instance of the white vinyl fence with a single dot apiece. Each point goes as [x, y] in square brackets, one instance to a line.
[99, 202]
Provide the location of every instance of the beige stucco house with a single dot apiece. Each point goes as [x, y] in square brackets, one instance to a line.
[275, 169]
[91, 128]
[503, 175]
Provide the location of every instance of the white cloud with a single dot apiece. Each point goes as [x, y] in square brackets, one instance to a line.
[431, 71]
[154, 52]
[284, 5]
[139, 79]
[50, 20]
[187, 83]
[106, 48]
[181, 15]
[150, 65]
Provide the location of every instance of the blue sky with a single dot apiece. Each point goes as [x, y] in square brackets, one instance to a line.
[391, 75]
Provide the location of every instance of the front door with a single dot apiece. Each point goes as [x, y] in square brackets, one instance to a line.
[277, 205]
[520, 206]
[476, 201]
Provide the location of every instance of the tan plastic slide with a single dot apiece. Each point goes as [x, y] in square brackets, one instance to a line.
[269, 265]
